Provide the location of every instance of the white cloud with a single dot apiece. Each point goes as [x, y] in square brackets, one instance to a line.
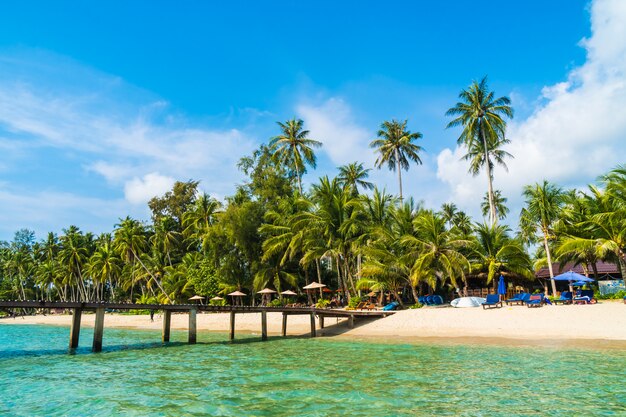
[333, 124]
[578, 130]
[141, 190]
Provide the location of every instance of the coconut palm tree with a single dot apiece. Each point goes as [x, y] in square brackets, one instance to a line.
[481, 116]
[436, 251]
[543, 207]
[105, 265]
[294, 148]
[354, 176]
[396, 148]
[500, 204]
[200, 218]
[497, 253]
[130, 241]
[74, 255]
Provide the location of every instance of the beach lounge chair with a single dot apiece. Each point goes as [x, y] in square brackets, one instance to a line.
[535, 300]
[391, 306]
[518, 299]
[585, 297]
[493, 300]
[566, 298]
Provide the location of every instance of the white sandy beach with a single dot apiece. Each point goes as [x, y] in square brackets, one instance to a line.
[605, 321]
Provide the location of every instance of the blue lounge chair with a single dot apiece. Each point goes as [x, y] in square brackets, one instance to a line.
[566, 298]
[518, 299]
[437, 300]
[535, 300]
[585, 297]
[493, 300]
[391, 306]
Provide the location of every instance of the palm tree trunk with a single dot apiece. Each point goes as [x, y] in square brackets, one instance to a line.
[153, 277]
[399, 174]
[547, 248]
[299, 179]
[414, 292]
[395, 294]
[319, 272]
[492, 205]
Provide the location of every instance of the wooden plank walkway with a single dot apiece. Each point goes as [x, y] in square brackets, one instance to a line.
[100, 308]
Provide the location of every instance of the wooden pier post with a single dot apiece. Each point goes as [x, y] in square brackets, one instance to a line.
[264, 325]
[313, 324]
[167, 318]
[75, 329]
[232, 325]
[98, 330]
[351, 321]
[321, 322]
[284, 323]
[192, 326]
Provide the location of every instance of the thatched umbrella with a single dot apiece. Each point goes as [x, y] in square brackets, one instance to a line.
[196, 298]
[237, 294]
[315, 285]
[266, 292]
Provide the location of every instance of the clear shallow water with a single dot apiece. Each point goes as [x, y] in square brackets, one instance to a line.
[137, 376]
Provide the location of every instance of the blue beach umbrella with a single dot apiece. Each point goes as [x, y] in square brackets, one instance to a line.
[501, 286]
[572, 276]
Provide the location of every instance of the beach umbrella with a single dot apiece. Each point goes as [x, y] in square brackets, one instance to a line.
[288, 292]
[196, 298]
[216, 298]
[572, 277]
[266, 292]
[314, 285]
[237, 294]
[501, 288]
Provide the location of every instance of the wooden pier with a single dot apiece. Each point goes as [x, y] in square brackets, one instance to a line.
[77, 309]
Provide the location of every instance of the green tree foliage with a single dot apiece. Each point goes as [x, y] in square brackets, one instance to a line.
[396, 148]
[482, 115]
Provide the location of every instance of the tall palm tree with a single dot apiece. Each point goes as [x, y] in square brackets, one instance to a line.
[500, 204]
[498, 253]
[105, 264]
[481, 115]
[200, 218]
[543, 206]
[396, 148]
[354, 176]
[130, 241]
[294, 148]
[436, 251]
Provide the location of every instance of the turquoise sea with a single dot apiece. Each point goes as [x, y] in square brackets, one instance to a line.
[136, 376]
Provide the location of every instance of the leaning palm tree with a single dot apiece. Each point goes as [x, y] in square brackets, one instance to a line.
[543, 205]
[481, 115]
[396, 148]
[354, 176]
[294, 148]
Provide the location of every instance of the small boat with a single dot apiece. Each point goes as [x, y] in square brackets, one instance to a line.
[465, 302]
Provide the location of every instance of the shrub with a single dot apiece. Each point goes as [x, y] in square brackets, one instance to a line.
[277, 303]
[417, 305]
[323, 303]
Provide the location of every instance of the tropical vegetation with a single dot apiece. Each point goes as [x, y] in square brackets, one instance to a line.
[344, 231]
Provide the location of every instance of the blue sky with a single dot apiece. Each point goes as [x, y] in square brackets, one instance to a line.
[104, 105]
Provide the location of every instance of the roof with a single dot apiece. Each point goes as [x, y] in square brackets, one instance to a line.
[602, 267]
